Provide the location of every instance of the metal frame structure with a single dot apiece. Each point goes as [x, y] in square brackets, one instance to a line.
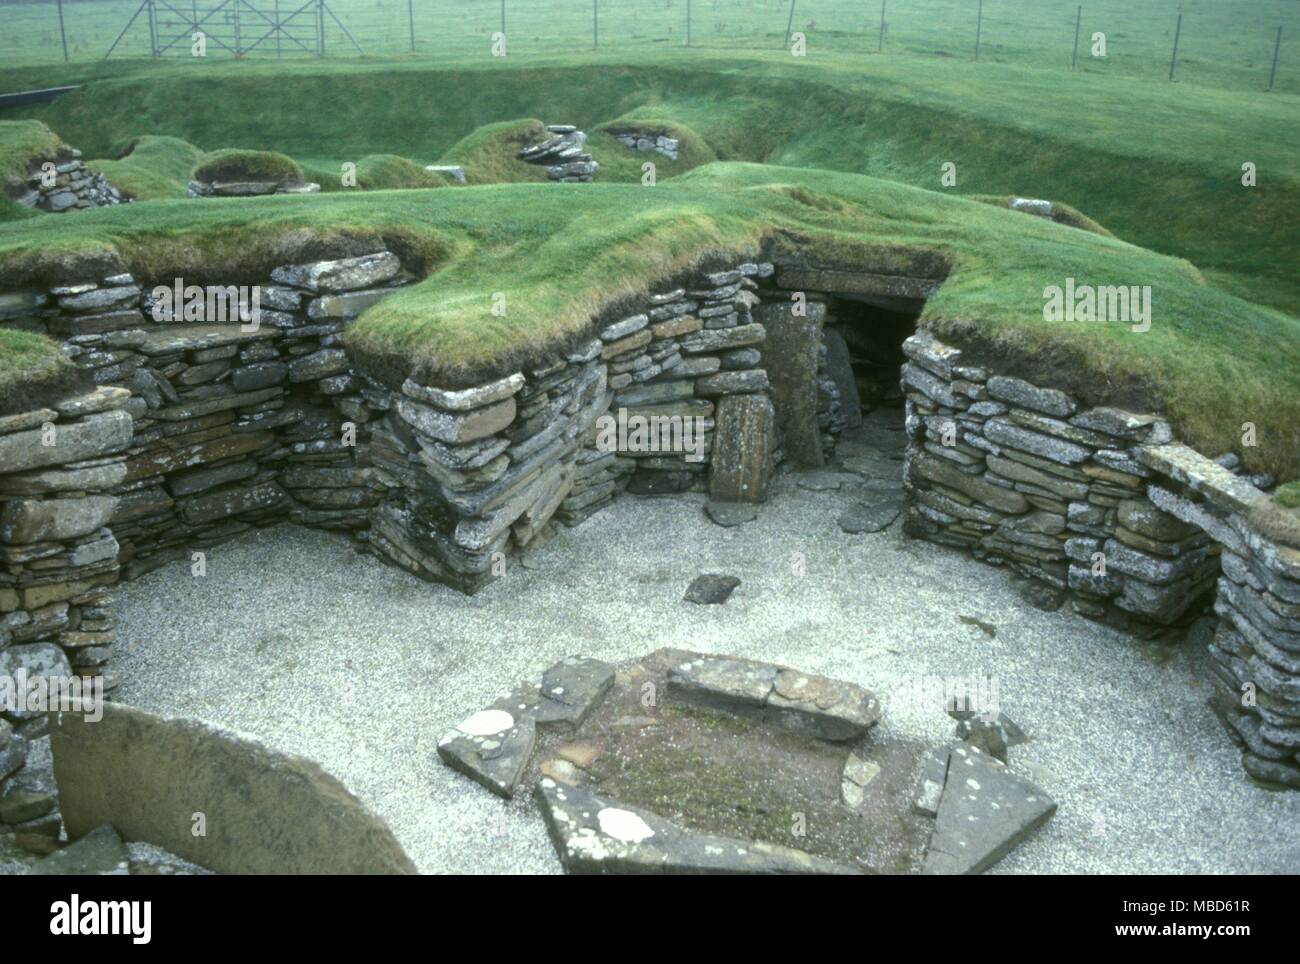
[239, 21]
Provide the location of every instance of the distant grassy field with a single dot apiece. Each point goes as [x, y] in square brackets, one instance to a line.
[1224, 43]
[564, 254]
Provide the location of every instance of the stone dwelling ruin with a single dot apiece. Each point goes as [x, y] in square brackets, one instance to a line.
[187, 434]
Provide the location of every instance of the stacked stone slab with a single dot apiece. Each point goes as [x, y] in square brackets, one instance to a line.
[646, 141]
[1255, 653]
[692, 353]
[562, 154]
[1023, 475]
[58, 559]
[480, 470]
[73, 187]
[236, 424]
[249, 188]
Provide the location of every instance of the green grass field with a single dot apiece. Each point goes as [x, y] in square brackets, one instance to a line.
[1224, 43]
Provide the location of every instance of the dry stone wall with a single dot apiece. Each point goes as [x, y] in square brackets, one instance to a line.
[66, 184]
[1104, 505]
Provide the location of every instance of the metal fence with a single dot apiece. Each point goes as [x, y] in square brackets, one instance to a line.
[1234, 44]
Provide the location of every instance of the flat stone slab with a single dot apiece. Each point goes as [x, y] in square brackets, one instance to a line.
[493, 747]
[985, 811]
[597, 836]
[731, 514]
[710, 589]
[801, 702]
[871, 516]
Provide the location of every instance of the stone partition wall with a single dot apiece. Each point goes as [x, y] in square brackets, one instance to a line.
[477, 473]
[1103, 505]
[74, 186]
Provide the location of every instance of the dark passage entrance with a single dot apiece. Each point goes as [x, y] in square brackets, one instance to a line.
[871, 332]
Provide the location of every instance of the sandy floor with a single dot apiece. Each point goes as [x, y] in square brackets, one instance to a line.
[297, 639]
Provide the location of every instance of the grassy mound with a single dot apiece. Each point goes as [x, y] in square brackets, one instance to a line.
[564, 259]
[490, 155]
[621, 163]
[1061, 213]
[151, 167]
[375, 172]
[231, 164]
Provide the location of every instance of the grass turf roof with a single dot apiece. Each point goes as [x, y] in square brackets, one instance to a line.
[564, 255]
[1158, 164]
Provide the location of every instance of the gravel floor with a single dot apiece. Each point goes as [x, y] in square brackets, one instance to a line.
[297, 639]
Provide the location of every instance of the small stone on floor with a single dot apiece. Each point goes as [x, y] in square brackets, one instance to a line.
[711, 589]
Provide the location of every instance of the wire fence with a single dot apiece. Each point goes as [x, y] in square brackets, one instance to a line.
[1232, 44]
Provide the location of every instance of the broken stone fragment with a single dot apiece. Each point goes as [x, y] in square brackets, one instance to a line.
[710, 589]
[98, 853]
[984, 813]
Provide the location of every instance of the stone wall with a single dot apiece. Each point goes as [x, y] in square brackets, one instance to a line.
[1102, 506]
[74, 188]
[475, 474]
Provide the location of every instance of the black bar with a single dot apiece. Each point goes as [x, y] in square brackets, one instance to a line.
[1074, 57]
[979, 25]
[64, 36]
[1178, 31]
[1272, 74]
[789, 24]
[410, 16]
[881, 45]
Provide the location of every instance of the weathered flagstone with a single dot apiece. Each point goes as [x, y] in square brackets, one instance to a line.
[985, 811]
[871, 516]
[596, 836]
[730, 514]
[570, 689]
[801, 702]
[491, 747]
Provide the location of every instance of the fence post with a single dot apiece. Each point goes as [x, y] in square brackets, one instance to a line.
[320, 27]
[503, 18]
[1178, 30]
[1272, 74]
[410, 19]
[153, 29]
[789, 24]
[688, 23]
[1078, 19]
[64, 37]
[979, 24]
[595, 26]
[881, 45]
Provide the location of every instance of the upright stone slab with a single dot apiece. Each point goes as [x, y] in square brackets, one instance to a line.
[743, 448]
[264, 812]
[839, 366]
[790, 357]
